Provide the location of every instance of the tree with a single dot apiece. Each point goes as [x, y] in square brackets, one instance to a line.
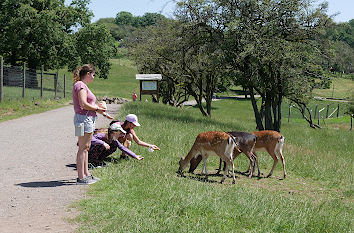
[274, 49]
[148, 19]
[37, 32]
[185, 55]
[44, 33]
[94, 44]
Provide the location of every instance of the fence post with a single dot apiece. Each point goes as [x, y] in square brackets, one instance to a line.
[327, 110]
[24, 80]
[289, 113]
[351, 121]
[55, 85]
[42, 71]
[64, 86]
[338, 111]
[318, 118]
[1, 77]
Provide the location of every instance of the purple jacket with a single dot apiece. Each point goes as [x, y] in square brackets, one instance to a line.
[98, 141]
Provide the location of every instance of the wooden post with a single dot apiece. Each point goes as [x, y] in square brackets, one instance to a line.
[42, 71]
[55, 85]
[64, 86]
[338, 111]
[140, 88]
[157, 94]
[24, 80]
[327, 110]
[1, 77]
[318, 118]
[289, 113]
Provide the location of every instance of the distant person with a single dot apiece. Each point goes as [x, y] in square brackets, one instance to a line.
[134, 96]
[106, 143]
[85, 116]
[131, 121]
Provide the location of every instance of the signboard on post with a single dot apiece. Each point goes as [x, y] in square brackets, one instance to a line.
[149, 84]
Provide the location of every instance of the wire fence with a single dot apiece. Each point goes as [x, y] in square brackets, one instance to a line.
[320, 112]
[21, 82]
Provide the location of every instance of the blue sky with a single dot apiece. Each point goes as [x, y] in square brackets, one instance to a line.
[109, 8]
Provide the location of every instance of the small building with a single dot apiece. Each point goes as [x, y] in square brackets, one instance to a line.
[149, 84]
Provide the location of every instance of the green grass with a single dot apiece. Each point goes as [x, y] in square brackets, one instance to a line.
[340, 88]
[148, 195]
[22, 107]
[121, 81]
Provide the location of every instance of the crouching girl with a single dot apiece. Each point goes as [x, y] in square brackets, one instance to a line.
[106, 143]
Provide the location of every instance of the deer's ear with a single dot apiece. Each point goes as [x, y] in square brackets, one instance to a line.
[180, 156]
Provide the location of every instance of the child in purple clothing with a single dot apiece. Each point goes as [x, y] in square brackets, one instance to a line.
[105, 144]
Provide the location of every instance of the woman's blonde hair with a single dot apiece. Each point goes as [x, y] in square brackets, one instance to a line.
[80, 72]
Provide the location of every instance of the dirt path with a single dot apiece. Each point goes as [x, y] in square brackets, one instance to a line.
[37, 176]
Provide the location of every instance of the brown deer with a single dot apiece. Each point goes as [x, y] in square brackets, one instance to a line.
[246, 142]
[267, 140]
[211, 143]
[271, 142]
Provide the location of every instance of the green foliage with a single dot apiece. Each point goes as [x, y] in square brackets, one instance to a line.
[342, 36]
[95, 45]
[118, 32]
[124, 18]
[126, 23]
[37, 32]
[44, 33]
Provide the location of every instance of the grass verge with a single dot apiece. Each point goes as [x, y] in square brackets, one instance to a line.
[23, 107]
[148, 196]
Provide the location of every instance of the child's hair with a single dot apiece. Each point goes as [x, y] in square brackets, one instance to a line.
[80, 72]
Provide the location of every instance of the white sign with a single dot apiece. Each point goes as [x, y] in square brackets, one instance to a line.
[149, 86]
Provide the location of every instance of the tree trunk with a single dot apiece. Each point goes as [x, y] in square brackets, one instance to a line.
[268, 120]
[257, 114]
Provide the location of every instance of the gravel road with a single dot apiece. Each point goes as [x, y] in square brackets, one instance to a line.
[37, 174]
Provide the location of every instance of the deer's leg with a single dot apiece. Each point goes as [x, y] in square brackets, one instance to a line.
[219, 169]
[256, 159]
[225, 171]
[205, 166]
[251, 166]
[233, 171]
[274, 163]
[283, 162]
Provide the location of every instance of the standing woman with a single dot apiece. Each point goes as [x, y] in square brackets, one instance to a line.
[85, 112]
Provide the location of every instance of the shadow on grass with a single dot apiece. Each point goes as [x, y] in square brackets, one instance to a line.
[221, 173]
[47, 184]
[200, 179]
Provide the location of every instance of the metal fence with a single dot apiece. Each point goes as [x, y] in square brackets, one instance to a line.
[21, 82]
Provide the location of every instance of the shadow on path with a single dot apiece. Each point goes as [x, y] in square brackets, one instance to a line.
[47, 184]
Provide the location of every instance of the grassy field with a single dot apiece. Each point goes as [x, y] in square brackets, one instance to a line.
[148, 195]
[340, 88]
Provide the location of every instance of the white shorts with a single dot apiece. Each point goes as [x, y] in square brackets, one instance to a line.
[89, 122]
